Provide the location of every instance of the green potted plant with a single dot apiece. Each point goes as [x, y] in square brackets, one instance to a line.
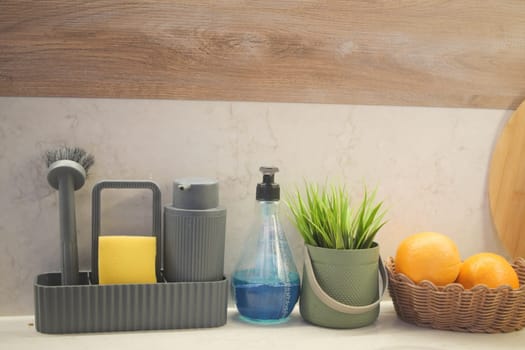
[340, 286]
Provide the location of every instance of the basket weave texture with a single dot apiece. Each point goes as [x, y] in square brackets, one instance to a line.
[451, 307]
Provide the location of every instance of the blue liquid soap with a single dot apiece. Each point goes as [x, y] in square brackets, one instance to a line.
[266, 302]
[265, 280]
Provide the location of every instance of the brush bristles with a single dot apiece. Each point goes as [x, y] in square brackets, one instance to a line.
[75, 154]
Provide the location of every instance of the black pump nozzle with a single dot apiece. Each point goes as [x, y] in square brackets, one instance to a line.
[268, 190]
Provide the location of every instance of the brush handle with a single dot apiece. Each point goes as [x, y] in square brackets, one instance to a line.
[68, 232]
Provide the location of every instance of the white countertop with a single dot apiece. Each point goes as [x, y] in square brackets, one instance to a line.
[388, 332]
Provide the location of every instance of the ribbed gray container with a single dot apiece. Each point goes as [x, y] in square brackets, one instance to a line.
[90, 307]
[194, 232]
[194, 245]
[127, 307]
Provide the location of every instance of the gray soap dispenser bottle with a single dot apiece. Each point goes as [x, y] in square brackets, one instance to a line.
[194, 232]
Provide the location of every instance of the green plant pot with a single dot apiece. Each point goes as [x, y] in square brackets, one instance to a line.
[341, 287]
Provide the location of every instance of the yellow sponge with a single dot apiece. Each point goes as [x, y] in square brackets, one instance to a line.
[126, 259]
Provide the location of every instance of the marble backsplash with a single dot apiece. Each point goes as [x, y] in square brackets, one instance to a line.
[430, 167]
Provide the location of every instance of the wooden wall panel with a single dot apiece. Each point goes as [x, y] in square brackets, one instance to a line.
[454, 53]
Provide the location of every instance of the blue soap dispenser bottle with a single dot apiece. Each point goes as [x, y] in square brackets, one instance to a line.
[265, 281]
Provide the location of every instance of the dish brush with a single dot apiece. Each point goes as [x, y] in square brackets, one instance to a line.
[67, 171]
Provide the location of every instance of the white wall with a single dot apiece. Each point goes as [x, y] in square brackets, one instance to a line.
[430, 166]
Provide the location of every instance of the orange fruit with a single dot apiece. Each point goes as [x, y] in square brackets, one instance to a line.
[489, 269]
[428, 256]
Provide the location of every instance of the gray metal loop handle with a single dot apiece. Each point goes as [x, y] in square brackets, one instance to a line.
[336, 305]
[95, 218]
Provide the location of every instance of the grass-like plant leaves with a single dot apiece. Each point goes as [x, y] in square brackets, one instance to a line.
[324, 217]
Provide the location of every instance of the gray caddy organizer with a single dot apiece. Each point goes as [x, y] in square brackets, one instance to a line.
[89, 307]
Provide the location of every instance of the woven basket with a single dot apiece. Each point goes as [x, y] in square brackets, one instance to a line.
[478, 310]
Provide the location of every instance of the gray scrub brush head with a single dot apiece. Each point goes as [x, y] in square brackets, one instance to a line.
[72, 160]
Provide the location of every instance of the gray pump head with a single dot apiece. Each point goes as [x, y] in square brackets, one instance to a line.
[195, 193]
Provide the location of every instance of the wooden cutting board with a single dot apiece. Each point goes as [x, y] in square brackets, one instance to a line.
[507, 184]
